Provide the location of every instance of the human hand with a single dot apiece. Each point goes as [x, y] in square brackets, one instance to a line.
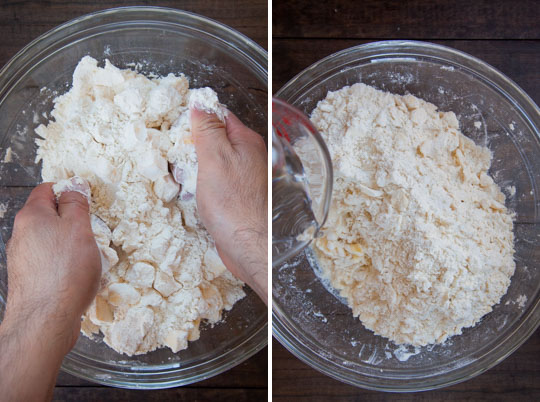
[53, 262]
[53, 274]
[232, 194]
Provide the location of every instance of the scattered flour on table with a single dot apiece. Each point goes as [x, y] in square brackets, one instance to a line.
[3, 210]
[521, 300]
[511, 190]
[123, 132]
[8, 156]
[418, 239]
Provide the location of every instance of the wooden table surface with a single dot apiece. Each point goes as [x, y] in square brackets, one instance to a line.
[505, 34]
[23, 21]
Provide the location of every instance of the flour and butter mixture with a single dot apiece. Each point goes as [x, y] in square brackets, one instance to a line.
[418, 239]
[161, 274]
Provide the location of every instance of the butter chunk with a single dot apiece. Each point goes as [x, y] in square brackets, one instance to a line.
[166, 188]
[129, 101]
[103, 310]
[165, 284]
[194, 332]
[109, 258]
[151, 298]
[103, 236]
[213, 266]
[100, 311]
[176, 339]
[135, 135]
[126, 335]
[152, 165]
[102, 233]
[123, 293]
[88, 327]
[186, 303]
[160, 244]
[214, 302]
[141, 275]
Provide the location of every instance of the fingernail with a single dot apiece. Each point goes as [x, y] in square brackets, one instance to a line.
[220, 111]
[75, 183]
[178, 173]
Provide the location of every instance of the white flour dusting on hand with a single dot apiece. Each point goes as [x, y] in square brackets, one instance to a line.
[418, 239]
[161, 274]
[206, 99]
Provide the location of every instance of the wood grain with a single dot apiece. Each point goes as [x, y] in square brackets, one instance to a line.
[23, 21]
[516, 378]
[99, 394]
[420, 19]
[518, 60]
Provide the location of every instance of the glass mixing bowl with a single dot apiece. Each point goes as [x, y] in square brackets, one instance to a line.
[153, 40]
[317, 327]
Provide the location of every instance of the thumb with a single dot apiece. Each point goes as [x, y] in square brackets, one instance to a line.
[73, 197]
[209, 135]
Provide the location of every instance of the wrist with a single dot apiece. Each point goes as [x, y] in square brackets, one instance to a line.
[259, 284]
[34, 343]
[253, 259]
[30, 355]
[43, 322]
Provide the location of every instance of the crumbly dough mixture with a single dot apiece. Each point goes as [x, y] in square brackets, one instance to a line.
[161, 274]
[418, 239]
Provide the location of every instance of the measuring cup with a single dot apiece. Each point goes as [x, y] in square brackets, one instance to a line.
[301, 181]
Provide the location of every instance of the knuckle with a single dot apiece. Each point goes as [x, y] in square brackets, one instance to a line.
[209, 125]
[75, 199]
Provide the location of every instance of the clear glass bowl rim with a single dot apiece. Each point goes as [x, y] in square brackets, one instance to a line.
[130, 15]
[10, 74]
[394, 49]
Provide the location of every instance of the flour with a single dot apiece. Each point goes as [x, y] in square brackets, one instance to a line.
[122, 133]
[75, 183]
[521, 301]
[8, 157]
[418, 239]
[205, 99]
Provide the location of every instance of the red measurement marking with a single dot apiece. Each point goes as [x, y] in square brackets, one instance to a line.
[283, 134]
